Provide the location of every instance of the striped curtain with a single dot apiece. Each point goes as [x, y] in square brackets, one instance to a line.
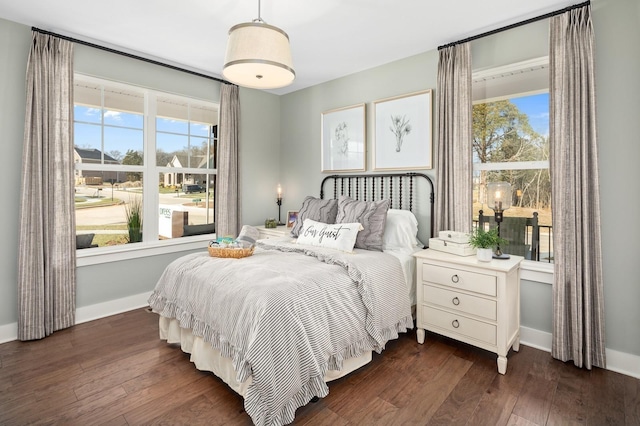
[453, 209]
[227, 197]
[46, 251]
[578, 300]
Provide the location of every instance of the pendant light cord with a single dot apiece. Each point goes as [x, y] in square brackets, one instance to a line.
[259, 19]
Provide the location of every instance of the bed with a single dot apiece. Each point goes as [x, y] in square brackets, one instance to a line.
[278, 325]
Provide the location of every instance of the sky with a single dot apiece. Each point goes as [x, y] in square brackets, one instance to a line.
[537, 108]
[123, 131]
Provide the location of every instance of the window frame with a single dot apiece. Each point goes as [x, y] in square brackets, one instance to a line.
[538, 271]
[150, 245]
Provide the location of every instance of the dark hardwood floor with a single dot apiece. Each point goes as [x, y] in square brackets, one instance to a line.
[116, 371]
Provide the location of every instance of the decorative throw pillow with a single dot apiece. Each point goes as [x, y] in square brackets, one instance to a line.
[315, 209]
[371, 214]
[400, 231]
[248, 235]
[339, 236]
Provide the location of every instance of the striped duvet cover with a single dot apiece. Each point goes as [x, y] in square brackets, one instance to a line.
[286, 315]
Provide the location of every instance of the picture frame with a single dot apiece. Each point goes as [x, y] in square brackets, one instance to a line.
[403, 132]
[292, 216]
[344, 139]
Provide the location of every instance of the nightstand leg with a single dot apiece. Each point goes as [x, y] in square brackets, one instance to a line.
[516, 344]
[502, 364]
[420, 334]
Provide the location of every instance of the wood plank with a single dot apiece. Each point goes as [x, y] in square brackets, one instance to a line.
[569, 406]
[534, 402]
[69, 413]
[462, 402]
[606, 404]
[324, 417]
[632, 401]
[497, 401]
[419, 406]
[105, 377]
[155, 394]
[151, 410]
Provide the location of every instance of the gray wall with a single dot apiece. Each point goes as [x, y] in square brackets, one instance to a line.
[280, 142]
[617, 30]
[14, 51]
[258, 156]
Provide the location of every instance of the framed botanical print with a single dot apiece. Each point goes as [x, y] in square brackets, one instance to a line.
[344, 139]
[403, 132]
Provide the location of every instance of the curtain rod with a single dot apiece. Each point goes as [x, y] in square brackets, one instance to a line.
[128, 55]
[517, 24]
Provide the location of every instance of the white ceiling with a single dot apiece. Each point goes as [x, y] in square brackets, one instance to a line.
[329, 38]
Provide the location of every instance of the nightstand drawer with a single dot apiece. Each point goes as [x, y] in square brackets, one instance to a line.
[280, 231]
[461, 302]
[459, 324]
[464, 280]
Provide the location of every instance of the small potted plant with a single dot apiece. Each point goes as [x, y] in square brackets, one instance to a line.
[485, 242]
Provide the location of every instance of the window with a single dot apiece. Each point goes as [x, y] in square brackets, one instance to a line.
[511, 144]
[145, 163]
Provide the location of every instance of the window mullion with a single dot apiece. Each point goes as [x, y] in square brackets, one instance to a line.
[151, 177]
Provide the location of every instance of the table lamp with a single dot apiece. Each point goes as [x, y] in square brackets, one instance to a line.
[499, 199]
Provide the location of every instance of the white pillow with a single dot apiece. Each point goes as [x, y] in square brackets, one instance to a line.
[400, 231]
[339, 236]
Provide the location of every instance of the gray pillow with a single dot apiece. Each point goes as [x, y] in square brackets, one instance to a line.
[248, 236]
[324, 211]
[371, 214]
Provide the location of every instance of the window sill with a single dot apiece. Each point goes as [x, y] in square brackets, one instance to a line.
[100, 255]
[536, 271]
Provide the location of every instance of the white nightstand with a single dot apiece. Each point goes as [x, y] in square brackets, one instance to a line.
[280, 231]
[471, 301]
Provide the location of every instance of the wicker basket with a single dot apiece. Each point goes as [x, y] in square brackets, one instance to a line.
[234, 253]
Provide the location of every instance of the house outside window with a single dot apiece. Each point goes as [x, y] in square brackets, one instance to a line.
[145, 163]
[511, 144]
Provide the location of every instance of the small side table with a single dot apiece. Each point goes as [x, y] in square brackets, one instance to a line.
[471, 301]
[280, 231]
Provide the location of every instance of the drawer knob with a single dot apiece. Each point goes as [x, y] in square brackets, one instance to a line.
[455, 323]
[455, 301]
[455, 278]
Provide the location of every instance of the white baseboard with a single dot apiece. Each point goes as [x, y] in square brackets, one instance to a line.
[623, 363]
[620, 362]
[9, 332]
[112, 307]
[535, 338]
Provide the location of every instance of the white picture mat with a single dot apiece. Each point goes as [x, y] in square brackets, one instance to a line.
[344, 139]
[416, 148]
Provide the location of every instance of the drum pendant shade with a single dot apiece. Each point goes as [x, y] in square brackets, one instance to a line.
[258, 56]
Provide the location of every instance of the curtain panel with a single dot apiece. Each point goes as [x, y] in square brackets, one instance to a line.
[578, 301]
[227, 179]
[46, 251]
[453, 209]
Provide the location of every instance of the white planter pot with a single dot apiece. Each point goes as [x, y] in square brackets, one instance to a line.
[484, 254]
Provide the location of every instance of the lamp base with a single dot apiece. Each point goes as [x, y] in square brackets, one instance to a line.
[501, 256]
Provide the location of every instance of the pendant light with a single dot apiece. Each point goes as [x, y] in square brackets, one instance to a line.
[258, 56]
